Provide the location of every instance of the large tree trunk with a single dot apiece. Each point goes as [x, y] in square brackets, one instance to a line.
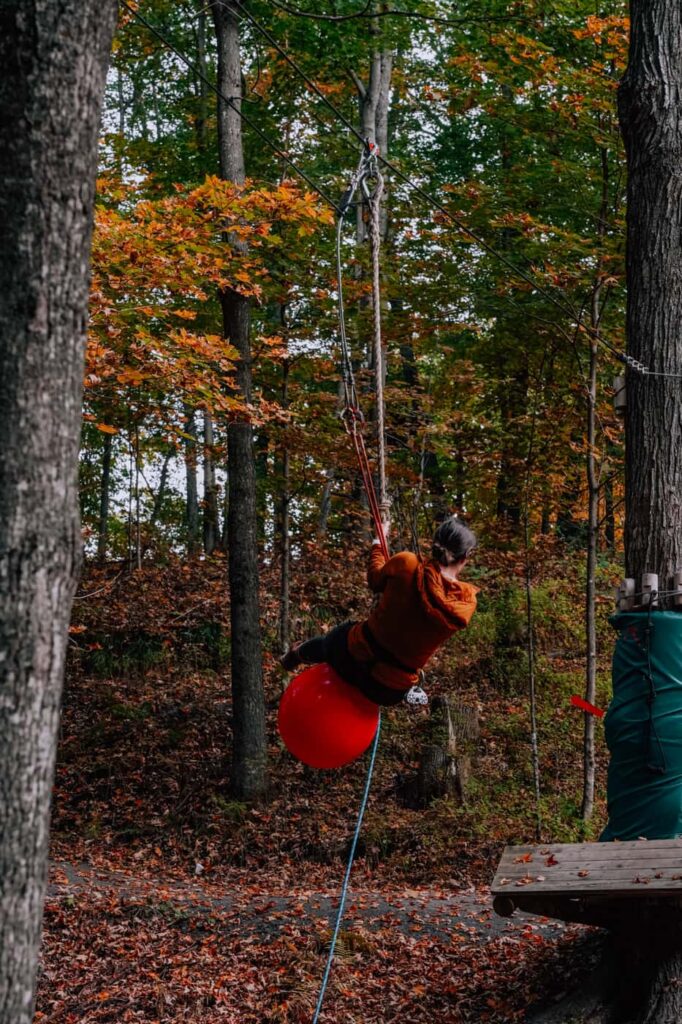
[249, 754]
[650, 108]
[54, 58]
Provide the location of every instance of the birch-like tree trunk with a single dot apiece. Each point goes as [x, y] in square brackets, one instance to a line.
[54, 58]
[249, 752]
[192, 494]
[104, 492]
[593, 490]
[210, 504]
[284, 521]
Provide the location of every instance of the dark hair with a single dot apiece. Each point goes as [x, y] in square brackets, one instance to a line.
[452, 541]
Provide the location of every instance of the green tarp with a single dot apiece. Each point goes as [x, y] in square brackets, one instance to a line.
[644, 728]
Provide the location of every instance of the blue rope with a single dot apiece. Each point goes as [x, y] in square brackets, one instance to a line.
[351, 857]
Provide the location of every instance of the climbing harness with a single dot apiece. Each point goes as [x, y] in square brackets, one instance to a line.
[344, 887]
[368, 182]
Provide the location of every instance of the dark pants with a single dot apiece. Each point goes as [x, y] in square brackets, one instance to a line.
[332, 647]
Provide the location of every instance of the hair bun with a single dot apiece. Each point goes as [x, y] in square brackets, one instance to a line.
[452, 541]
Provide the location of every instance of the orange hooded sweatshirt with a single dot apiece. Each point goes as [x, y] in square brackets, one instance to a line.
[419, 609]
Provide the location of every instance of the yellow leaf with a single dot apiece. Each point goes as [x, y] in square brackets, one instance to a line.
[106, 429]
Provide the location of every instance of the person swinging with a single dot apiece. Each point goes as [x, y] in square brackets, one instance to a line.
[422, 603]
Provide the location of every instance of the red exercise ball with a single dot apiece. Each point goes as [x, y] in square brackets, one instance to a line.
[324, 721]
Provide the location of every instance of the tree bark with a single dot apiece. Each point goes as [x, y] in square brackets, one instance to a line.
[200, 86]
[211, 515]
[192, 496]
[589, 764]
[249, 753]
[54, 59]
[593, 488]
[447, 756]
[284, 522]
[650, 109]
[103, 527]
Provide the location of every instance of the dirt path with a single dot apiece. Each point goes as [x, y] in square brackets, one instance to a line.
[446, 918]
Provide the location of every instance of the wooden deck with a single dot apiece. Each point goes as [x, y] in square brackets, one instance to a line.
[594, 883]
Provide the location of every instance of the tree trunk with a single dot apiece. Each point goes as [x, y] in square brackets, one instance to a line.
[192, 499]
[284, 517]
[161, 492]
[447, 755]
[593, 488]
[103, 527]
[590, 586]
[200, 86]
[650, 109]
[249, 754]
[374, 102]
[211, 516]
[54, 58]
[138, 521]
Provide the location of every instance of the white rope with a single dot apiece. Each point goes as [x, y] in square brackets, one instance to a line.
[379, 361]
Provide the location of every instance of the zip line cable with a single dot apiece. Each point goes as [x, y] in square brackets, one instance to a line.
[227, 99]
[560, 303]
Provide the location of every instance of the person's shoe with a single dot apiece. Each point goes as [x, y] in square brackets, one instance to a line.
[292, 659]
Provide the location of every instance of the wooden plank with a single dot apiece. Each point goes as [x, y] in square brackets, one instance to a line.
[623, 877]
[651, 857]
[594, 853]
[666, 849]
[596, 870]
[606, 868]
[583, 886]
[575, 869]
[636, 844]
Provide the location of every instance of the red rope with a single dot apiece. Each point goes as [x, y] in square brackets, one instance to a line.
[351, 420]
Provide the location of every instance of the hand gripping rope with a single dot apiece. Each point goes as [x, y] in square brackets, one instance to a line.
[366, 172]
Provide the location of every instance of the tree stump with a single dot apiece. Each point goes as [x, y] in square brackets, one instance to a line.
[447, 756]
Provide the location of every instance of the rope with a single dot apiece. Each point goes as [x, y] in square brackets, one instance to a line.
[374, 201]
[344, 887]
[352, 416]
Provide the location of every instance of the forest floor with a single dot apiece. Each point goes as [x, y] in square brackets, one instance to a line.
[129, 947]
[170, 901]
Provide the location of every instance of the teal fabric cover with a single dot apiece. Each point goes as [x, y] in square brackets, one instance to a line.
[643, 727]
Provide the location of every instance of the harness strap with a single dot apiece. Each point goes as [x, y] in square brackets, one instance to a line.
[384, 655]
